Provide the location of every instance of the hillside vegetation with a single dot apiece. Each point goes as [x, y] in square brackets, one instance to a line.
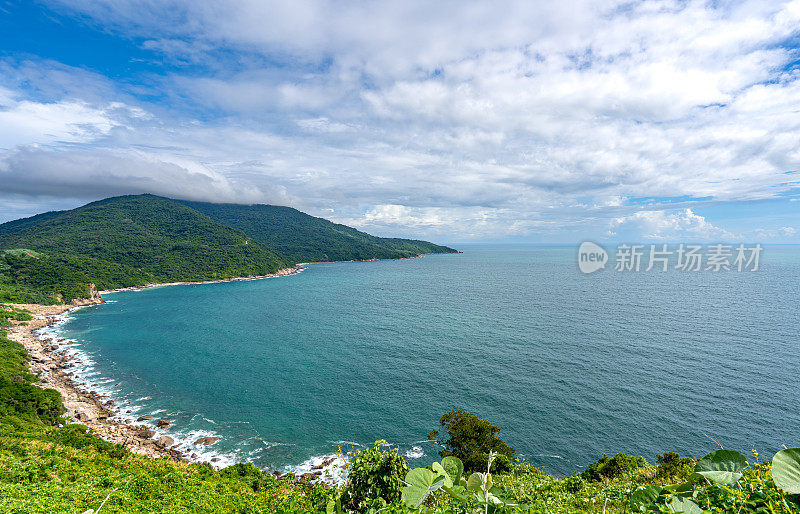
[304, 238]
[135, 240]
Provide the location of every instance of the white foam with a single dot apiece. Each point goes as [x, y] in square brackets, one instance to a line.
[87, 378]
[415, 453]
[335, 473]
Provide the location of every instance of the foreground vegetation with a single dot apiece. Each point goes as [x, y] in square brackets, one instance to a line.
[50, 465]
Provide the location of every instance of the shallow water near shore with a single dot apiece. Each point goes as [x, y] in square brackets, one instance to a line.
[570, 366]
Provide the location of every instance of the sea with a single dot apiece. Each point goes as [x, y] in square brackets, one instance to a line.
[292, 371]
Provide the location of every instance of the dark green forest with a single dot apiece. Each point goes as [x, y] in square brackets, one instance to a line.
[304, 238]
[135, 240]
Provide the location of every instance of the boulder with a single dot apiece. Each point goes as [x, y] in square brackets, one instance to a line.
[146, 434]
[165, 441]
[163, 423]
[81, 416]
[147, 417]
[207, 441]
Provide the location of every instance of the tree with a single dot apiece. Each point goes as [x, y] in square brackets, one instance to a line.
[471, 438]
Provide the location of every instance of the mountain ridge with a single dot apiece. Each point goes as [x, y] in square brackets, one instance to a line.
[133, 240]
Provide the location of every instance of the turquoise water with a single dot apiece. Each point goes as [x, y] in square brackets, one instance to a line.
[570, 366]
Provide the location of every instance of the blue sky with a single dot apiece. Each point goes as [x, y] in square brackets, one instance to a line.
[546, 122]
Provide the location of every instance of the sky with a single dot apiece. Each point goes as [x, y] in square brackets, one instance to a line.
[453, 121]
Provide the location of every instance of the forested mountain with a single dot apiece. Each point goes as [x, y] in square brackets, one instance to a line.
[128, 240]
[134, 240]
[304, 238]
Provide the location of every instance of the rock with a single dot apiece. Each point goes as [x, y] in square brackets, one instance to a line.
[164, 441]
[163, 423]
[81, 416]
[207, 441]
[316, 467]
[148, 417]
[147, 434]
[215, 459]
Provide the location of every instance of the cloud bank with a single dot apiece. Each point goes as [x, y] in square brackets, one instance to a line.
[547, 121]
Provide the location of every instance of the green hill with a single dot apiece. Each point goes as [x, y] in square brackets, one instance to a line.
[133, 240]
[127, 240]
[304, 238]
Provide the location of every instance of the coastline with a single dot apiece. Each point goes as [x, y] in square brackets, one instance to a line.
[283, 272]
[50, 362]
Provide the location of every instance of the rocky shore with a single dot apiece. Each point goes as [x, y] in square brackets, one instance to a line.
[51, 362]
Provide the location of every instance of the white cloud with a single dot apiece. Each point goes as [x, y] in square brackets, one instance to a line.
[672, 226]
[493, 119]
[25, 122]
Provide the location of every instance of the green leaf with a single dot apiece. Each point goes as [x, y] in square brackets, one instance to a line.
[786, 470]
[644, 496]
[454, 468]
[685, 489]
[420, 483]
[722, 466]
[475, 482]
[684, 505]
[493, 499]
[456, 492]
[440, 471]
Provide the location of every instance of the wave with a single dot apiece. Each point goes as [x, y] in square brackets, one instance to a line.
[415, 453]
[330, 468]
[85, 377]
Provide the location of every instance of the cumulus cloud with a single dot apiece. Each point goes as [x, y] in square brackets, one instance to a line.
[673, 226]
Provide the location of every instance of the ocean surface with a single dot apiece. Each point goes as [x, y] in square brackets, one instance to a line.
[570, 366]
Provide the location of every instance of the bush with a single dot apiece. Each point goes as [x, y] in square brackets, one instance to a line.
[673, 467]
[375, 479]
[471, 439]
[78, 436]
[616, 466]
[30, 402]
[249, 473]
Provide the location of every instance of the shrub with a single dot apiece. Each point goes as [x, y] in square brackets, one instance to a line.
[249, 473]
[673, 467]
[29, 402]
[572, 484]
[375, 479]
[616, 466]
[471, 438]
[79, 436]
